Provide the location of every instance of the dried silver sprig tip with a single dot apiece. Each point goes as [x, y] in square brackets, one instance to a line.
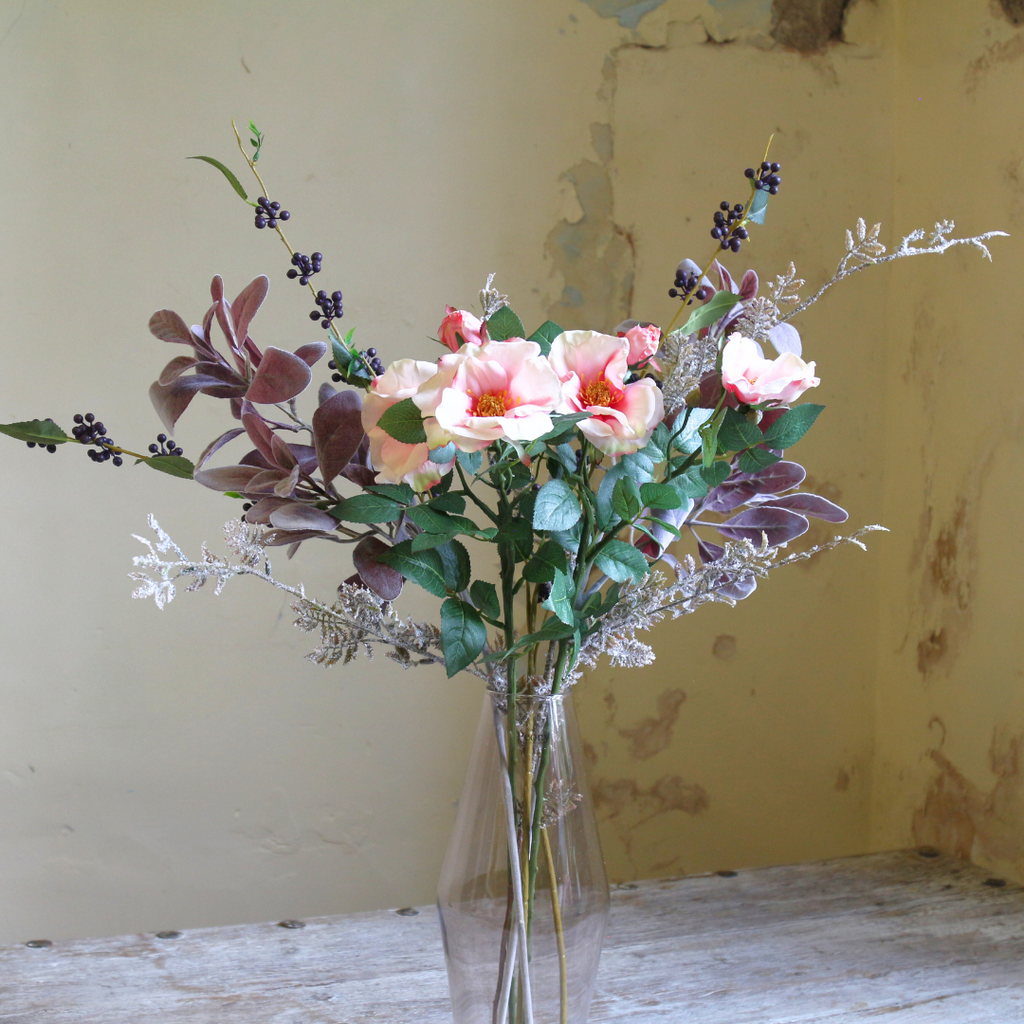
[491, 300]
[357, 622]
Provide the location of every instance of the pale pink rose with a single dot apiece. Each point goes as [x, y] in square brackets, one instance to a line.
[592, 368]
[753, 379]
[643, 343]
[394, 461]
[483, 393]
[465, 325]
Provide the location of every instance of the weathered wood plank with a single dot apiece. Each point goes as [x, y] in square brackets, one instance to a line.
[914, 940]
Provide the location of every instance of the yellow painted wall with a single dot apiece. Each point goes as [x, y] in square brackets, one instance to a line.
[186, 768]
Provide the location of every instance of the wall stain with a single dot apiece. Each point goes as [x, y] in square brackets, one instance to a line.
[843, 778]
[961, 818]
[1003, 52]
[724, 647]
[1014, 10]
[653, 735]
[808, 25]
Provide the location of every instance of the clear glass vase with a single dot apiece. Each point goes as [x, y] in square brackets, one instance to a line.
[524, 872]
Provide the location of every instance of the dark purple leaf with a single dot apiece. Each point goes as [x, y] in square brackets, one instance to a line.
[739, 589]
[168, 326]
[305, 455]
[725, 277]
[728, 495]
[778, 524]
[709, 552]
[324, 393]
[227, 478]
[281, 375]
[776, 478]
[259, 433]
[785, 338]
[337, 432]
[363, 476]
[171, 400]
[266, 481]
[296, 516]
[748, 286]
[655, 547]
[809, 505]
[310, 353]
[262, 509]
[175, 368]
[384, 581]
[282, 453]
[256, 458]
[286, 488]
[217, 443]
[278, 538]
[219, 371]
[249, 300]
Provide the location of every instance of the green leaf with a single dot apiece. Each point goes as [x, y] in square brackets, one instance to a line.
[504, 324]
[756, 459]
[232, 180]
[425, 541]
[621, 562]
[566, 455]
[656, 495]
[758, 206]
[656, 448]
[485, 597]
[404, 422]
[432, 521]
[455, 565]
[557, 508]
[713, 310]
[545, 334]
[562, 424]
[549, 559]
[686, 438]
[401, 493]
[639, 467]
[561, 597]
[691, 484]
[443, 455]
[463, 635]
[174, 465]
[792, 425]
[449, 503]
[470, 461]
[716, 473]
[37, 431]
[709, 443]
[626, 499]
[736, 433]
[553, 629]
[423, 567]
[367, 508]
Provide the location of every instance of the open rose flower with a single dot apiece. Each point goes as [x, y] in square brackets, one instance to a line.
[486, 392]
[460, 324]
[394, 461]
[753, 379]
[592, 368]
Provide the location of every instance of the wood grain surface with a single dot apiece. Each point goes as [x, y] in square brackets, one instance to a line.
[899, 937]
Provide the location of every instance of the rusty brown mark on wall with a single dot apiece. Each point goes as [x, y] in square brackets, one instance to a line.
[960, 817]
[652, 735]
[1004, 52]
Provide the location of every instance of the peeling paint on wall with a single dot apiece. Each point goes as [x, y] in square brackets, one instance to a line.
[808, 25]
[629, 12]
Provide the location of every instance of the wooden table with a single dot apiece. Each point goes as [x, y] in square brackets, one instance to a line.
[904, 938]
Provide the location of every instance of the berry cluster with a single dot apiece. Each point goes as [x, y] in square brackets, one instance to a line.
[684, 287]
[268, 213]
[766, 177]
[304, 267]
[330, 308]
[369, 358]
[42, 447]
[88, 430]
[728, 227]
[164, 447]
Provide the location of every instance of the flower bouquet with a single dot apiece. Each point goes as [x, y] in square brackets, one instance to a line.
[595, 466]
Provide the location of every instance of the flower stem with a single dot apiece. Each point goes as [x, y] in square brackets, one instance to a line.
[556, 913]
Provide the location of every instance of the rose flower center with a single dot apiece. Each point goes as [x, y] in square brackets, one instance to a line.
[598, 392]
[494, 403]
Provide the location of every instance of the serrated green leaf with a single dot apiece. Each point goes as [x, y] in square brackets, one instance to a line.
[639, 467]
[449, 503]
[174, 465]
[455, 565]
[504, 324]
[425, 541]
[402, 493]
[664, 496]
[470, 461]
[712, 311]
[545, 334]
[485, 597]
[626, 499]
[431, 520]
[686, 436]
[709, 442]
[736, 434]
[232, 180]
[404, 422]
[755, 459]
[549, 559]
[716, 473]
[556, 507]
[37, 431]
[563, 424]
[443, 455]
[463, 635]
[560, 600]
[690, 484]
[792, 425]
[367, 508]
[621, 562]
[758, 206]
[422, 567]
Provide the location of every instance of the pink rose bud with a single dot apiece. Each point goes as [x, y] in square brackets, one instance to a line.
[753, 379]
[460, 328]
[643, 343]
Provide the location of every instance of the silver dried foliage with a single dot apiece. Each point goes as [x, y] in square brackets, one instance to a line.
[491, 300]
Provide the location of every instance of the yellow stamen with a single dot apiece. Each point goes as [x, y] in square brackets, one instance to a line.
[598, 392]
[494, 403]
